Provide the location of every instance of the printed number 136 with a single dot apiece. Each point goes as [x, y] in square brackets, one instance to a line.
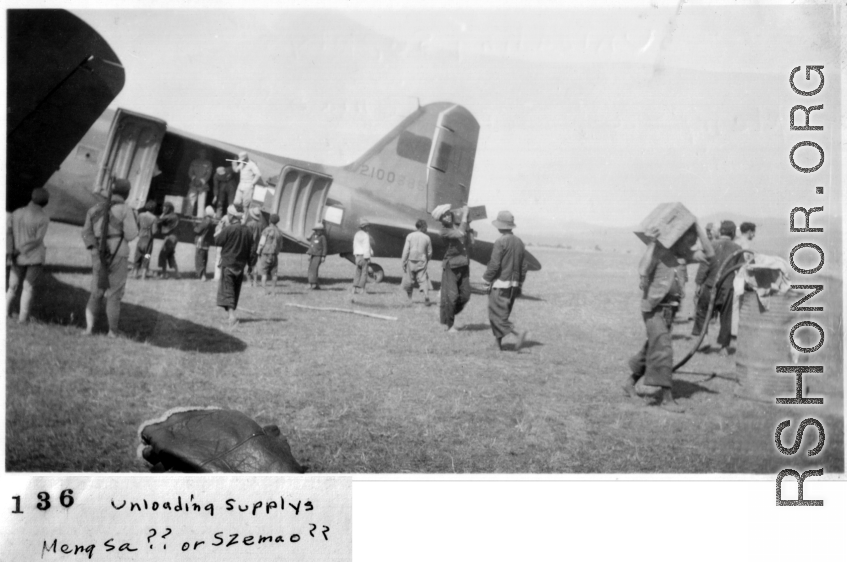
[66, 499]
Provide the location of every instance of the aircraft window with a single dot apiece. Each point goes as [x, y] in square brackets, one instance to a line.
[414, 147]
[86, 153]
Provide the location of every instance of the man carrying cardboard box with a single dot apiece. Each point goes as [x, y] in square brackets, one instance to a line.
[661, 293]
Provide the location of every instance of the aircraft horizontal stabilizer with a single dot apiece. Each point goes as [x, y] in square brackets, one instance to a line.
[481, 252]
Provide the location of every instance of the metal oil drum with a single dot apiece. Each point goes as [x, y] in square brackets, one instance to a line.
[762, 344]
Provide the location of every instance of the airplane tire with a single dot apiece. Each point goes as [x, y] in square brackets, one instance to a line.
[375, 273]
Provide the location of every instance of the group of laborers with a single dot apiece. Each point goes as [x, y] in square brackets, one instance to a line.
[503, 278]
[662, 281]
[249, 248]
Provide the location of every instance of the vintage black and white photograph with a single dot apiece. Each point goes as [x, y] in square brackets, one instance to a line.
[511, 240]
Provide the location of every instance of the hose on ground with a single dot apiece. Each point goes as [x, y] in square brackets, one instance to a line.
[720, 277]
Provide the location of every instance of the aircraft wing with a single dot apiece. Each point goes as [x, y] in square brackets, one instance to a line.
[388, 236]
[481, 252]
[61, 77]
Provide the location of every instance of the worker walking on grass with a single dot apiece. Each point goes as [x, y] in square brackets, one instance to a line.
[417, 251]
[110, 267]
[317, 255]
[362, 253]
[255, 221]
[236, 243]
[455, 265]
[147, 228]
[661, 294]
[201, 243]
[270, 245]
[504, 278]
[26, 230]
[167, 224]
[707, 279]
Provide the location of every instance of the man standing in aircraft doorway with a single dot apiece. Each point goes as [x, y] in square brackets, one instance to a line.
[199, 173]
[249, 176]
[455, 266]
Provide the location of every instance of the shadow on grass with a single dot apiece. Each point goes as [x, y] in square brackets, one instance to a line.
[61, 268]
[302, 279]
[60, 303]
[530, 298]
[526, 345]
[475, 327]
[710, 349]
[685, 389]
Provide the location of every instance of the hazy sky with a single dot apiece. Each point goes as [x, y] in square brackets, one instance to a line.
[593, 115]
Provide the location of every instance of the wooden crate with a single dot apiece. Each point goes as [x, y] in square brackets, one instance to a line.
[670, 220]
[474, 213]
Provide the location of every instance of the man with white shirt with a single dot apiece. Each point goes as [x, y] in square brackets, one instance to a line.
[362, 254]
[748, 232]
[249, 176]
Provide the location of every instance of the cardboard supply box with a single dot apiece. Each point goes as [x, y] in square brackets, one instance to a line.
[669, 220]
[474, 213]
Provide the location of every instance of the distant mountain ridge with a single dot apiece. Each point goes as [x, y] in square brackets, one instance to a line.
[772, 234]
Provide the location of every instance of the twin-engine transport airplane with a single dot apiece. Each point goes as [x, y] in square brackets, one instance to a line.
[426, 161]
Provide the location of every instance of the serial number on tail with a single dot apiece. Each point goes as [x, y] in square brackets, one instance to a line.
[390, 177]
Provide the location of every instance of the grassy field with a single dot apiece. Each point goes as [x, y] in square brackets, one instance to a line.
[357, 394]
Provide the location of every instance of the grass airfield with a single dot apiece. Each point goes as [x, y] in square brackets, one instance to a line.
[363, 395]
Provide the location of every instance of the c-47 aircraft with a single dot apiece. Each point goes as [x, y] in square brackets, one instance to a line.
[425, 161]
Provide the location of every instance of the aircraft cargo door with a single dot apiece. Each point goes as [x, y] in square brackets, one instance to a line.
[299, 200]
[131, 151]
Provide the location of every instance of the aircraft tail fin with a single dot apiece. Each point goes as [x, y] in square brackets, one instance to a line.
[427, 160]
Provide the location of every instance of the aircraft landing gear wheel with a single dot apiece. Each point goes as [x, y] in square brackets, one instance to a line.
[375, 273]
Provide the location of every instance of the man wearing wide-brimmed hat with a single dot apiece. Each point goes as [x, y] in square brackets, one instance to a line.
[236, 243]
[362, 254]
[455, 265]
[317, 254]
[122, 228]
[504, 277]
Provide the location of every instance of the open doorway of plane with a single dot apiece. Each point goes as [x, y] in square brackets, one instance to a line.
[172, 182]
[155, 161]
[299, 200]
[131, 150]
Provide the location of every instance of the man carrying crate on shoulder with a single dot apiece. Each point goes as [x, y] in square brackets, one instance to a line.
[671, 232]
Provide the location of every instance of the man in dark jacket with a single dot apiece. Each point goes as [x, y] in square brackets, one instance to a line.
[706, 280]
[224, 182]
[236, 244]
[504, 277]
[455, 265]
